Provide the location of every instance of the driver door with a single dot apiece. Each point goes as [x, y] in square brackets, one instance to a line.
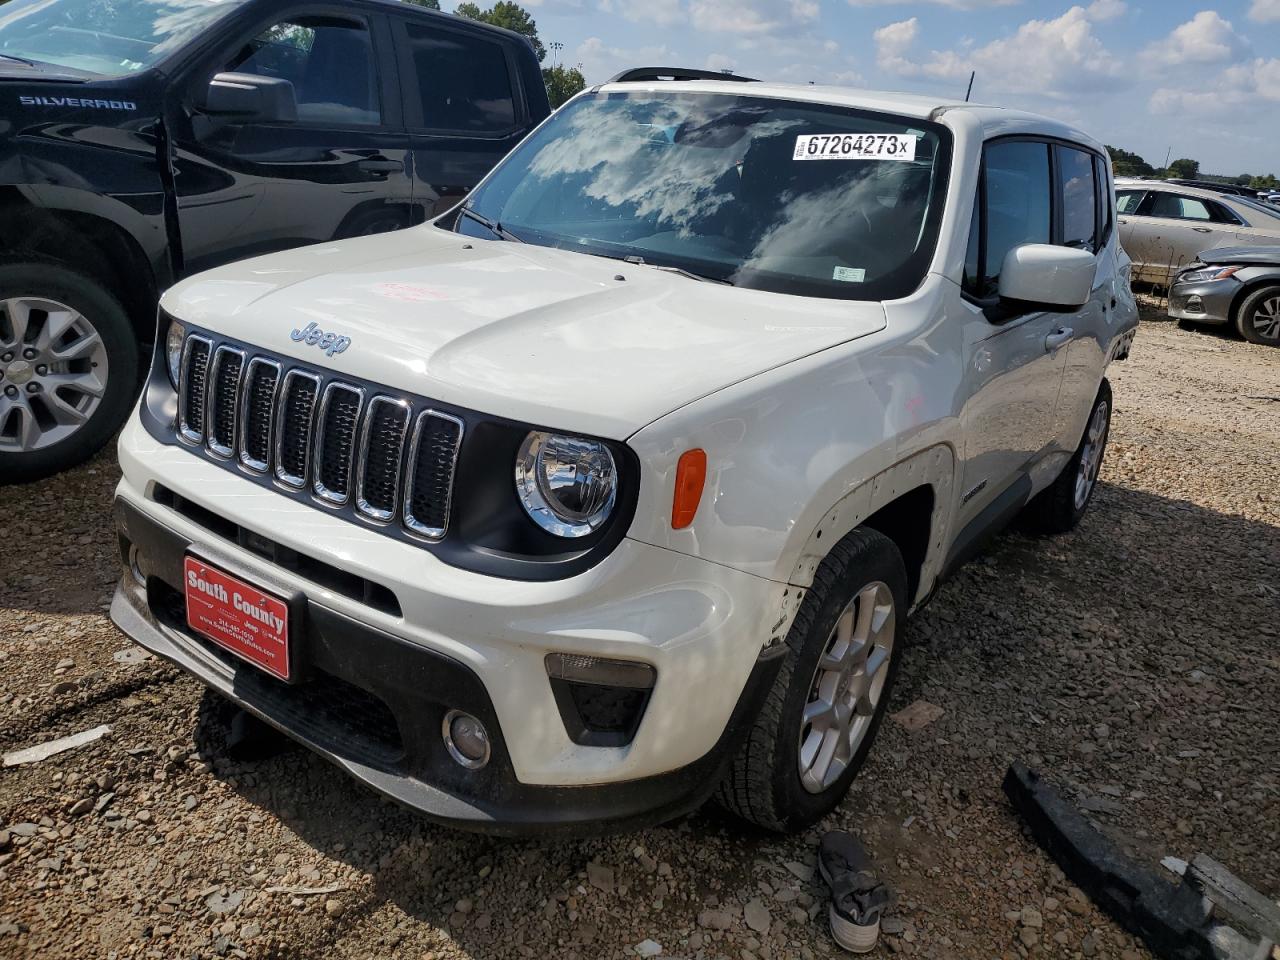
[340, 170]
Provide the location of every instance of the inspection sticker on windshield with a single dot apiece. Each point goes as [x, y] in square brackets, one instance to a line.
[855, 146]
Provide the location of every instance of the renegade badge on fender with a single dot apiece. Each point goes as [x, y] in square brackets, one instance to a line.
[646, 455]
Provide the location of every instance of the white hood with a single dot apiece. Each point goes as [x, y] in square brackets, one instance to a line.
[535, 334]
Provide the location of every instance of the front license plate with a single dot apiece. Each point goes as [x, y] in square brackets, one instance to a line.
[237, 616]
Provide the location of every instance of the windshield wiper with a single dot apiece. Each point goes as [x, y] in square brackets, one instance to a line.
[497, 229]
[10, 56]
[681, 271]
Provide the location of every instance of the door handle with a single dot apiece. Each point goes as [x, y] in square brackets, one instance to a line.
[1056, 339]
[1202, 230]
[381, 166]
[1123, 222]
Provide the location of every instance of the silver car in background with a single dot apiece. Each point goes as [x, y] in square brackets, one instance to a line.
[1165, 227]
[1236, 285]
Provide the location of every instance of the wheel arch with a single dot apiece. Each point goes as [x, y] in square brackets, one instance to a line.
[1247, 289]
[910, 503]
[87, 243]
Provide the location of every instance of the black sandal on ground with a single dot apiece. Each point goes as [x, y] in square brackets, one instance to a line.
[857, 897]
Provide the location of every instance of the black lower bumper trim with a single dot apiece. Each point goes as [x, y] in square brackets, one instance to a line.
[373, 704]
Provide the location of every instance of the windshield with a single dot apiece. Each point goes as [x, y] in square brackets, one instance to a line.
[771, 194]
[108, 38]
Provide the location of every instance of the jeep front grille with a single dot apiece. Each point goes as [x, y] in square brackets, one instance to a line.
[390, 458]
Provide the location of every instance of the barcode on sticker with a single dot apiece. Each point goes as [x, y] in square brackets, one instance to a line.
[855, 146]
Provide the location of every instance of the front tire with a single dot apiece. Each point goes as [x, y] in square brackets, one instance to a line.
[1258, 319]
[828, 701]
[1062, 505]
[68, 369]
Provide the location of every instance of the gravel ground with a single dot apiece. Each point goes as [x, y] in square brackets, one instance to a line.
[1136, 662]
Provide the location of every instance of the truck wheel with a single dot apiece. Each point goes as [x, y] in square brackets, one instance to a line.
[821, 717]
[1258, 318]
[68, 369]
[1060, 506]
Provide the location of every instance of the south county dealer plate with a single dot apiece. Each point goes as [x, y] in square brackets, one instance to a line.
[237, 616]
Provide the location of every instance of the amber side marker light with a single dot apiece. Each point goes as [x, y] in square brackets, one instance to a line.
[691, 475]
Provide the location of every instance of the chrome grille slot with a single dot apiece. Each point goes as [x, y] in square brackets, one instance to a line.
[381, 452]
[295, 420]
[224, 399]
[433, 458]
[261, 381]
[191, 388]
[336, 441]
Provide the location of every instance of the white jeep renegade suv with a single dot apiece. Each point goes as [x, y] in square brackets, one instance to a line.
[613, 488]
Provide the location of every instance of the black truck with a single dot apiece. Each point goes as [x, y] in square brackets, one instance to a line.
[144, 140]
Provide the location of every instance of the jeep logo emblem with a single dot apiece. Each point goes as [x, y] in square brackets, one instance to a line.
[313, 336]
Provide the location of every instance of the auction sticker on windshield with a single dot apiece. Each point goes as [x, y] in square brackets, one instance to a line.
[238, 617]
[855, 146]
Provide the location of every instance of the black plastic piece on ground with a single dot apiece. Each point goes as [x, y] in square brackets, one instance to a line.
[1173, 921]
[248, 738]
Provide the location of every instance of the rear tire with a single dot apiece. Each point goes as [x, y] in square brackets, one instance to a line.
[1062, 505]
[69, 361]
[1258, 319]
[861, 582]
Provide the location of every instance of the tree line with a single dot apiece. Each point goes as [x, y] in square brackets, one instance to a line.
[1128, 164]
[562, 82]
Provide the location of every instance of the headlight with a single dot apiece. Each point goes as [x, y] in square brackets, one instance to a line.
[568, 485]
[173, 342]
[1208, 273]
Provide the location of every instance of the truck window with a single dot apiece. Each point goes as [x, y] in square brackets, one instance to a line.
[1018, 203]
[1079, 204]
[463, 81]
[329, 62]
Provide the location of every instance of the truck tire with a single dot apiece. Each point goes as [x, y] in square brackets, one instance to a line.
[830, 696]
[1062, 505]
[1258, 319]
[68, 369]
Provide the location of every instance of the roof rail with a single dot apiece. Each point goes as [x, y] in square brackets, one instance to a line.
[642, 74]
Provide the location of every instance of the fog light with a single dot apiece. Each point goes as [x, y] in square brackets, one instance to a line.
[135, 566]
[466, 739]
[1195, 305]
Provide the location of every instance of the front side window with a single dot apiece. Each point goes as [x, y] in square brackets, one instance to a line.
[103, 38]
[796, 198]
[1019, 203]
[329, 62]
[1178, 207]
[463, 81]
[1079, 202]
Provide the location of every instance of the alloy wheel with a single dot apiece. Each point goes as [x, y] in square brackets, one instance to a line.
[53, 373]
[1266, 319]
[847, 686]
[1091, 455]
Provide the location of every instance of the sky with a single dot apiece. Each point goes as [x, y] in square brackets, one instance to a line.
[1200, 77]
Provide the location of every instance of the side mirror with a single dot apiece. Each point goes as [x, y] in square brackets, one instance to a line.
[1039, 276]
[248, 97]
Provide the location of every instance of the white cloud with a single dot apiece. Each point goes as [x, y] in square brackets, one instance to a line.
[600, 61]
[1265, 11]
[743, 17]
[1205, 38]
[1056, 58]
[953, 4]
[1248, 88]
[1104, 11]
[661, 12]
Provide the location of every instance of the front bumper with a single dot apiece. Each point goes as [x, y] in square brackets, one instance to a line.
[385, 664]
[1206, 301]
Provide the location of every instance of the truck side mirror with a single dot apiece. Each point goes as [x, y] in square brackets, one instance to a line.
[1040, 276]
[248, 97]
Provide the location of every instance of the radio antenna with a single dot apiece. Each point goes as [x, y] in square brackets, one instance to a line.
[969, 92]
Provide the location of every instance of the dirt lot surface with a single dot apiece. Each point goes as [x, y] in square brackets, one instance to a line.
[1136, 662]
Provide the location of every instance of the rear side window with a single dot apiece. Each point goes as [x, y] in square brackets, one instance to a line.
[1018, 204]
[464, 84]
[1077, 187]
[1178, 207]
[1128, 201]
[329, 62]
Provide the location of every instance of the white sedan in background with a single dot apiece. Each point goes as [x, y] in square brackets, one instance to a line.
[1165, 227]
